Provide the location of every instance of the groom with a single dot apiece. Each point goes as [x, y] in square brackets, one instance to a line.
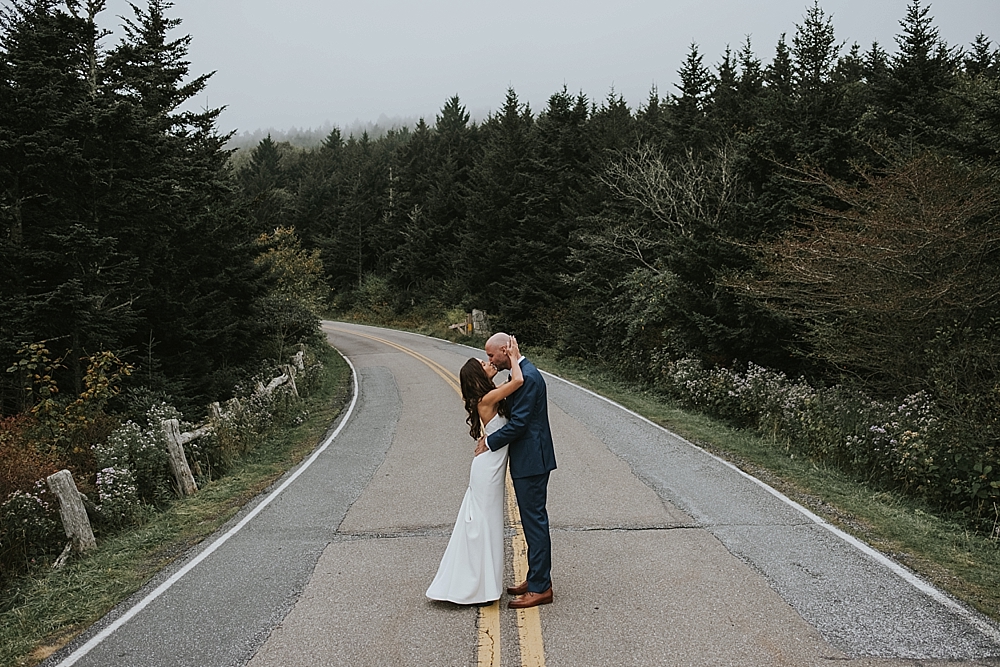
[531, 460]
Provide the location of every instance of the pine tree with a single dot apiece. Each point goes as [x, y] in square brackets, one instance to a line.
[65, 277]
[612, 126]
[751, 78]
[690, 107]
[814, 52]
[500, 210]
[177, 215]
[982, 59]
[915, 101]
[726, 108]
[779, 74]
[263, 183]
[653, 120]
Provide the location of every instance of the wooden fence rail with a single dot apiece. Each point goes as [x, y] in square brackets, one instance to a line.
[72, 510]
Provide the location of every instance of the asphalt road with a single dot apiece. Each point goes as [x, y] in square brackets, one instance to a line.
[662, 554]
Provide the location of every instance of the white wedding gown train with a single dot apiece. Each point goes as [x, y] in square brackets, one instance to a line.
[471, 570]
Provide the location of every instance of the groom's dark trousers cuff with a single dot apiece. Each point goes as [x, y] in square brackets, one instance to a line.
[531, 493]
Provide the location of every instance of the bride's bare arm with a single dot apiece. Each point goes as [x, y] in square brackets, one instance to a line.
[516, 377]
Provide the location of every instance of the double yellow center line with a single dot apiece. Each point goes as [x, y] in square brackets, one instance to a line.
[529, 626]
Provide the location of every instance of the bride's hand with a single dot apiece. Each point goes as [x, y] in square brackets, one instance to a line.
[512, 349]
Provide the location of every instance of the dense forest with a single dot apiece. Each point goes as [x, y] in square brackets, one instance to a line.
[830, 215]
[123, 230]
[824, 221]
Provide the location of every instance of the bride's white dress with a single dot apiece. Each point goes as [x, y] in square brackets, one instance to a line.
[471, 570]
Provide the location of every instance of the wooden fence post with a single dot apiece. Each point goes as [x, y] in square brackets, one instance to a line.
[289, 370]
[71, 510]
[178, 462]
[480, 322]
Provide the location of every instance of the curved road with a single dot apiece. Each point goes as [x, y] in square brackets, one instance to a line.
[662, 554]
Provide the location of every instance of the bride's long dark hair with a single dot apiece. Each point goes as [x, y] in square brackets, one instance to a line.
[475, 385]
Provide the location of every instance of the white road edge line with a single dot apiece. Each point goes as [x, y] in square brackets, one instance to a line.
[162, 588]
[970, 615]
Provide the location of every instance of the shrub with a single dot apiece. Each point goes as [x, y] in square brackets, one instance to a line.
[22, 464]
[308, 379]
[118, 496]
[29, 529]
[143, 453]
[243, 421]
[905, 445]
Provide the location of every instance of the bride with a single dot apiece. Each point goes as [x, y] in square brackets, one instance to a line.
[471, 570]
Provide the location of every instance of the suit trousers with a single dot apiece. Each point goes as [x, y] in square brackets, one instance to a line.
[531, 493]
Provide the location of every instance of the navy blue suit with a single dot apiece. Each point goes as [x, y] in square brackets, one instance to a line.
[531, 458]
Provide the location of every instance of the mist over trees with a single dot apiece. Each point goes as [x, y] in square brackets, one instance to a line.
[616, 209]
[312, 137]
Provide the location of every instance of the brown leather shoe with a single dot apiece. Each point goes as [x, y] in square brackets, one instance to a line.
[531, 599]
[520, 589]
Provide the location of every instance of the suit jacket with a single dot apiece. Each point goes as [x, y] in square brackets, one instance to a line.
[527, 434]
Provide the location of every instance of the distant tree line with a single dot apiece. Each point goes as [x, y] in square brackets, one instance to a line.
[786, 213]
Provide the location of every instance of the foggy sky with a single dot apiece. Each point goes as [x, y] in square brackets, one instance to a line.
[305, 63]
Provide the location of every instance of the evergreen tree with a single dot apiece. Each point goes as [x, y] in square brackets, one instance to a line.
[690, 107]
[263, 183]
[653, 120]
[612, 127]
[814, 52]
[749, 85]
[65, 278]
[916, 100]
[779, 74]
[982, 60]
[196, 253]
[726, 107]
[510, 283]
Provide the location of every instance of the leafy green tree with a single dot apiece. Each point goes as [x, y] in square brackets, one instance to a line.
[906, 256]
[291, 308]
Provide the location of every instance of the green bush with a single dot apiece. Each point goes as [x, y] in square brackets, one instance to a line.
[29, 529]
[143, 453]
[906, 445]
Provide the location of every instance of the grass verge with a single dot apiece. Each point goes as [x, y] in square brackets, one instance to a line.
[43, 611]
[941, 551]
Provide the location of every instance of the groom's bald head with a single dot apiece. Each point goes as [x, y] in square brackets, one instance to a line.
[495, 350]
